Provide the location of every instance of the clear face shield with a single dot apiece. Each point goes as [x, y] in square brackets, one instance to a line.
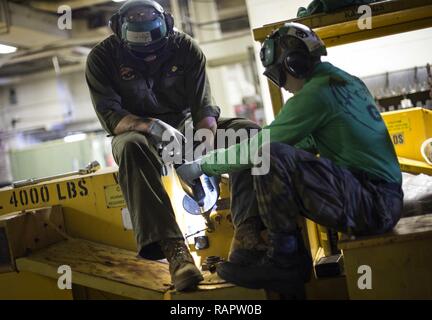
[276, 74]
[141, 14]
[274, 70]
[144, 29]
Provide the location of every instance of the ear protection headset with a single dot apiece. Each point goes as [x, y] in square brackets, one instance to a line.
[115, 22]
[298, 45]
[298, 62]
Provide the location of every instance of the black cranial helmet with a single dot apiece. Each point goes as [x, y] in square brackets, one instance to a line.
[291, 48]
[142, 25]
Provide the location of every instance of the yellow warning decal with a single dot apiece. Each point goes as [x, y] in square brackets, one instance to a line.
[114, 197]
[399, 125]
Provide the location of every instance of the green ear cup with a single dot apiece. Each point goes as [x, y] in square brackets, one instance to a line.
[267, 53]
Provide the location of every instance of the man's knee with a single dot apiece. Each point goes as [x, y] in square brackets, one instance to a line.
[265, 160]
[280, 150]
[128, 143]
[234, 131]
[251, 127]
[276, 152]
[278, 156]
[237, 124]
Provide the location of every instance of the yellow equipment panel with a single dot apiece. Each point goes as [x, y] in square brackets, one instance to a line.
[93, 205]
[408, 130]
[88, 213]
[399, 262]
[30, 286]
[94, 208]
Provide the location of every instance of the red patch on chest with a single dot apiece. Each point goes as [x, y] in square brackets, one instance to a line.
[127, 73]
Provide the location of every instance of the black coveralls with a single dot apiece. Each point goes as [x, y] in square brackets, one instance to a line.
[173, 89]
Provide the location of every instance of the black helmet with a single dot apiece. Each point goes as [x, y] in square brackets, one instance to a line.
[297, 46]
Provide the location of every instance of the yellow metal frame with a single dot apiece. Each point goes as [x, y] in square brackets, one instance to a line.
[415, 167]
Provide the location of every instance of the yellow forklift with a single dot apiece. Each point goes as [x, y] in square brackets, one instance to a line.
[70, 236]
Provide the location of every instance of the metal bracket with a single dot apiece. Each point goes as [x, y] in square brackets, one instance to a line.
[92, 167]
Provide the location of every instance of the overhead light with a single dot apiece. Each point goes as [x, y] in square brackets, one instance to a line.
[75, 137]
[119, 0]
[5, 49]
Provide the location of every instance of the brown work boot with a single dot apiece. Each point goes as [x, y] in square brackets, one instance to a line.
[248, 246]
[184, 274]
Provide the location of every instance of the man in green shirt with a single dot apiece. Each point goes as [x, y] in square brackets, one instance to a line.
[146, 82]
[354, 186]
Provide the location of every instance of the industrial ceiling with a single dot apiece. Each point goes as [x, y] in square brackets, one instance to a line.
[31, 26]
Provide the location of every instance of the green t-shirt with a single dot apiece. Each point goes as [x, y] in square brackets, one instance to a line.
[336, 111]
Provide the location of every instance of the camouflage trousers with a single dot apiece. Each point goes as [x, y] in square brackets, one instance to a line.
[299, 183]
[152, 215]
